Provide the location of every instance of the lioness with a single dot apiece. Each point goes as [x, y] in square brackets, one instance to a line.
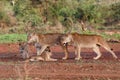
[86, 41]
[47, 40]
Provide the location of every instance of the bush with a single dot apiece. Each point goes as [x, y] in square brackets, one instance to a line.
[115, 8]
[3, 15]
[24, 11]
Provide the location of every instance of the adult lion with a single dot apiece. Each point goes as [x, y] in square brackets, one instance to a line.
[47, 40]
[86, 41]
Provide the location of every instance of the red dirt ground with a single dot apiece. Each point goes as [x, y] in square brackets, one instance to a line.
[106, 68]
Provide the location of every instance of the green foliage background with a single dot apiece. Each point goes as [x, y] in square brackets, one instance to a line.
[92, 11]
[102, 14]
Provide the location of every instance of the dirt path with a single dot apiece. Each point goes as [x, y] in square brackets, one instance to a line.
[106, 68]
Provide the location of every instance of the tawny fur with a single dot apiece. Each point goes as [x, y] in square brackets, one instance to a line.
[86, 41]
[46, 56]
[47, 40]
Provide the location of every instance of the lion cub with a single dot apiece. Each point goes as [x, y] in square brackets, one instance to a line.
[86, 41]
[46, 56]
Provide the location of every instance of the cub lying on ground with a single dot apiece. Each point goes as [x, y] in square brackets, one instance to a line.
[45, 56]
[24, 52]
[86, 41]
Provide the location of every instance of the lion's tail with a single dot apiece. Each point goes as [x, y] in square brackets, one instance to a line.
[103, 43]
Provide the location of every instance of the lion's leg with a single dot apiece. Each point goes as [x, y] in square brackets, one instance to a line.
[65, 51]
[36, 58]
[97, 51]
[48, 57]
[51, 59]
[77, 52]
[27, 55]
[40, 51]
[40, 58]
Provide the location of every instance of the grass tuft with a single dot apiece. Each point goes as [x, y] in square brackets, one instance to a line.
[12, 38]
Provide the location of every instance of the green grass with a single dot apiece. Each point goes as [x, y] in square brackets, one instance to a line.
[114, 36]
[12, 38]
[106, 36]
